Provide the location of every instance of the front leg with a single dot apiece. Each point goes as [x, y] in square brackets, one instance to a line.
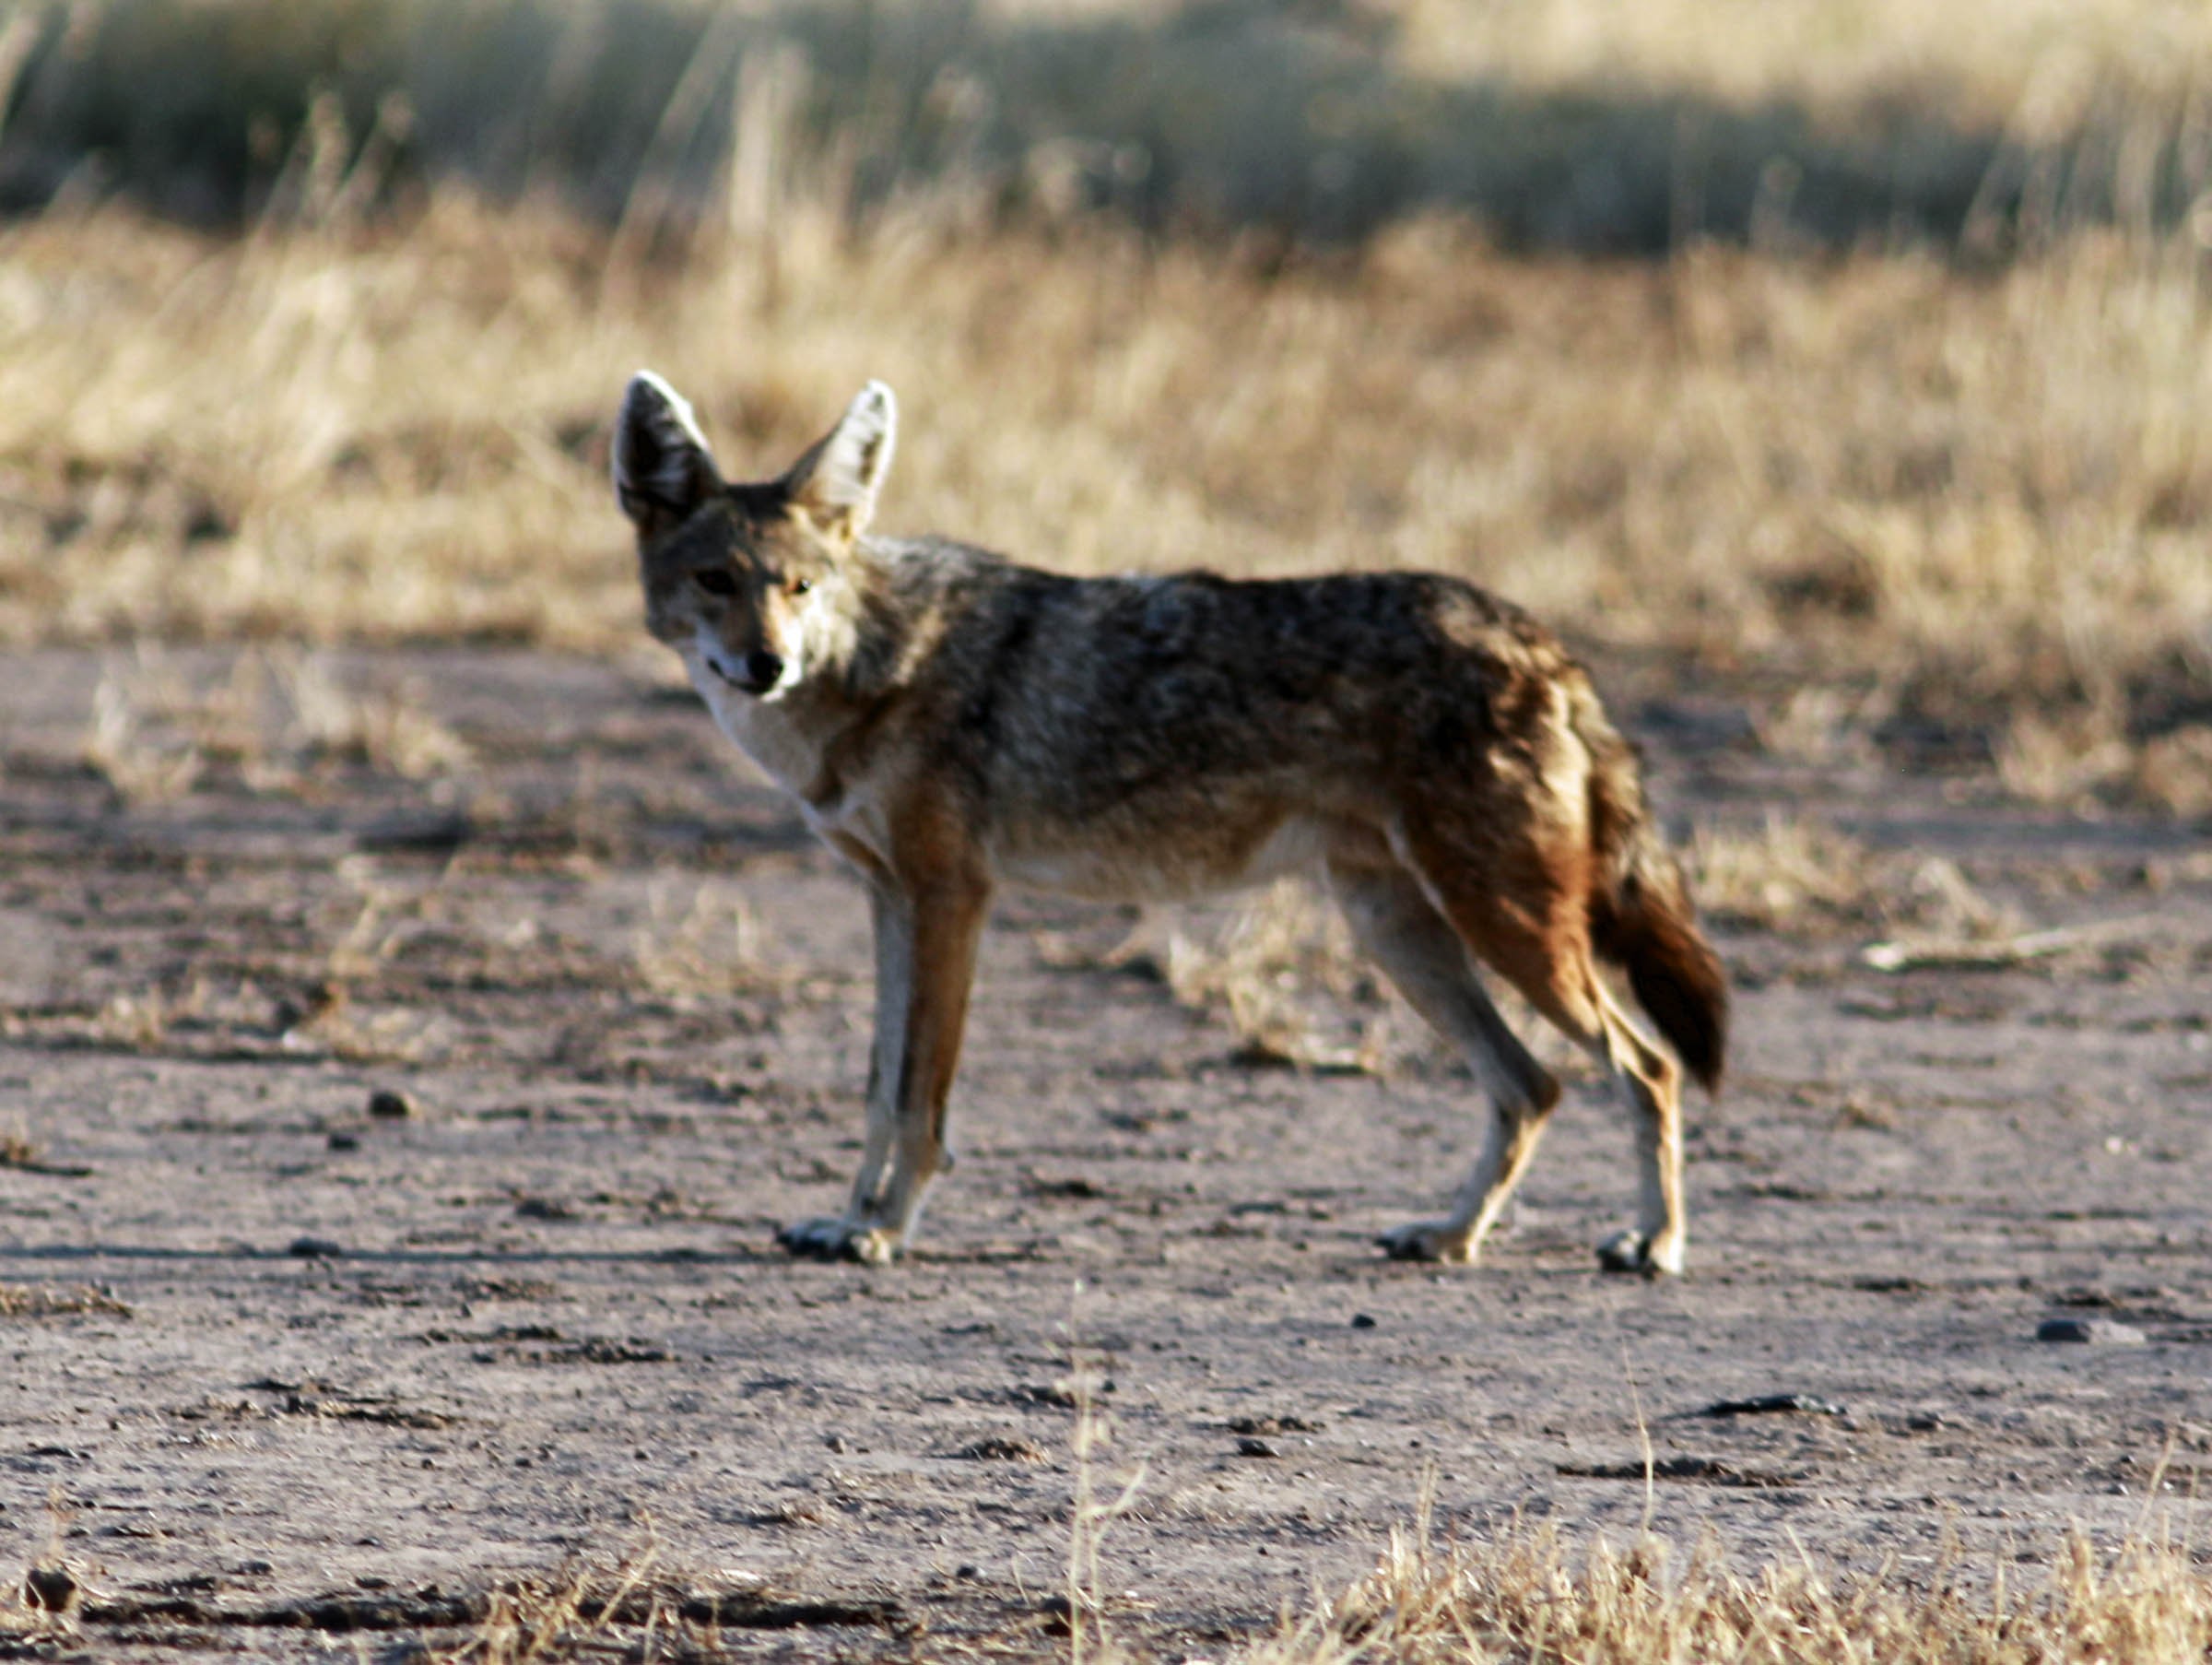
[927, 936]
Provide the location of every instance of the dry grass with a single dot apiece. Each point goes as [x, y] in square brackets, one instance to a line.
[1979, 491]
[1525, 1599]
[1787, 874]
[1282, 970]
[1089, 1635]
[2073, 757]
[573, 1615]
[698, 940]
[47, 1301]
[1521, 1597]
[1989, 495]
[1579, 123]
[277, 718]
[1805, 878]
[2035, 64]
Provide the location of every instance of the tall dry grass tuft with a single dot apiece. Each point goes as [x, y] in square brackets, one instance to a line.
[1788, 873]
[277, 717]
[1280, 968]
[1524, 1600]
[584, 1611]
[698, 940]
[1089, 1633]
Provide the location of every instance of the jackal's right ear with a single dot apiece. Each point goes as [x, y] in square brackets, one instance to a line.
[663, 469]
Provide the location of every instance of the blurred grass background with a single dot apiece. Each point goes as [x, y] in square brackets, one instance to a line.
[1856, 345]
[1582, 124]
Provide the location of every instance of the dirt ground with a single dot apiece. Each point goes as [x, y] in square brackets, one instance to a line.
[276, 1361]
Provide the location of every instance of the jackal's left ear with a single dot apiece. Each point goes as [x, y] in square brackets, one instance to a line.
[663, 469]
[836, 482]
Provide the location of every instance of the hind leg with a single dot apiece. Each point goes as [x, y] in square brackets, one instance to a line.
[1651, 1083]
[1530, 927]
[1418, 950]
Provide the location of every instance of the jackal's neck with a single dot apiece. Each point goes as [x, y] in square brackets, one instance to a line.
[865, 636]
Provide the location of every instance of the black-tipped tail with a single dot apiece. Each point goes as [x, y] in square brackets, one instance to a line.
[1641, 914]
[1675, 977]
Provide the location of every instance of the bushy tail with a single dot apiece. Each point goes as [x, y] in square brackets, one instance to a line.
[1641, 914]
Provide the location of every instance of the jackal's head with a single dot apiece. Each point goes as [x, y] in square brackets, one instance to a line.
[746, 580]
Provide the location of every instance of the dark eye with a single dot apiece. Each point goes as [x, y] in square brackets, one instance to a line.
[715, 581]
[799, 587]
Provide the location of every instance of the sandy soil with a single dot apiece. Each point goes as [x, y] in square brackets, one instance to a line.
[276, 1361]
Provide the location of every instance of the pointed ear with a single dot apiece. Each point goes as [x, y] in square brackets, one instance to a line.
[836, 482]
[663, 469]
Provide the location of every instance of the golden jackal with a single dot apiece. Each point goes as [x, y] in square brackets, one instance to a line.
[949, 721]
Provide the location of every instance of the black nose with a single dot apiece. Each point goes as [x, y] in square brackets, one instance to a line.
[762, 669]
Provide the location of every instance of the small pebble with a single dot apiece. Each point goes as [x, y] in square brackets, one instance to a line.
[316, 1248]
[2103, 1333]
[1249, 1446]
[389, 1106]
[1361, 1321]
[345, 1141]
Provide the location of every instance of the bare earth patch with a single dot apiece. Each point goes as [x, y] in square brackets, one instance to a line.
[286, 1357]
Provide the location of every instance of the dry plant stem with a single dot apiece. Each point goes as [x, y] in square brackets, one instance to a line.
[1907, 954]
[1089, 1518]
[1643, 1443]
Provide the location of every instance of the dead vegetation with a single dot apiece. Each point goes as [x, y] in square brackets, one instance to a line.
[1803, 877]
[1317, 122]
[1987, 494]
[1525, 1599]
[698, 940]
[1956, 481]
[278, 718]
[1786, 874]
[47, 1301]
[1283, 970]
